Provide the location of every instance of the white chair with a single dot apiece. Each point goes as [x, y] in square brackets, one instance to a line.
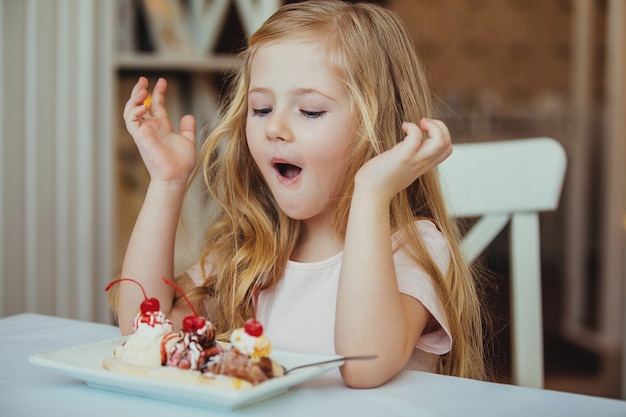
[501, 182]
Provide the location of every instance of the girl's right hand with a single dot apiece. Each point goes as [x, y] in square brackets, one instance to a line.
[168, 156]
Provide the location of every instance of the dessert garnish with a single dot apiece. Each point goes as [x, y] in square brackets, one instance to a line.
[150, 307]
[250, 340]
[146, 345]
[253, 327]
[191, 323]
[196, 344]
[248, 357]
[148, 304]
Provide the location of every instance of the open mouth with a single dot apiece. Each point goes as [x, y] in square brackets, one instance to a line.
[288, 171]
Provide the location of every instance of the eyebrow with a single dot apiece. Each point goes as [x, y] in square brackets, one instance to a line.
[298, 91]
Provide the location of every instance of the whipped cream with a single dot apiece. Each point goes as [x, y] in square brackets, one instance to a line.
[143, 347]
[154, 319]
[253, 346]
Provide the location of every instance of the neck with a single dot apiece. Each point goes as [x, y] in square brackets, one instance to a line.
[318, 241]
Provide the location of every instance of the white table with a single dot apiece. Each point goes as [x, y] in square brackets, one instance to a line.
[28, 390]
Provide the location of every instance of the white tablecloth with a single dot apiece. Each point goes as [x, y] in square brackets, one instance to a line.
[33, 391]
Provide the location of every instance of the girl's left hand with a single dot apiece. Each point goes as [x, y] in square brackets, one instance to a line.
[392, 171]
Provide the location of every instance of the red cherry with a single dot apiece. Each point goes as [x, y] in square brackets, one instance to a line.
[192, 324]
[147, 305]
[253, 328]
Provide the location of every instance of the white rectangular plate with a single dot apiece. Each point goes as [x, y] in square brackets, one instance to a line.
[85, 363]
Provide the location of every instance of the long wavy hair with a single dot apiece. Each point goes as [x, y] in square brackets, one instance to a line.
[249, 240]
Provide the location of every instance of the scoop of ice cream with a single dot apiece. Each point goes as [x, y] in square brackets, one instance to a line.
[193, 349]
[143, 347]
[254, 346]
[184, 352]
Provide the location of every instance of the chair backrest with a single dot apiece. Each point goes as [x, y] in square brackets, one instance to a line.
[510, 182]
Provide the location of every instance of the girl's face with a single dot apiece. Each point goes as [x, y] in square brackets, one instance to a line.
[299, 126]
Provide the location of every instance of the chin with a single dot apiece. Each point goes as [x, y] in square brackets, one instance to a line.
[298, 208]
[295, 215]
[299, 212]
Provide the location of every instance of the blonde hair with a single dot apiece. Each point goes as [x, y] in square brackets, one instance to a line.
[249, 240]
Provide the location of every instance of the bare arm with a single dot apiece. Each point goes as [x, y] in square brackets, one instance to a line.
[372, 315]
[169, 158]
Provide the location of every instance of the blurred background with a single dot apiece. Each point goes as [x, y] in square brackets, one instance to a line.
[72, 181]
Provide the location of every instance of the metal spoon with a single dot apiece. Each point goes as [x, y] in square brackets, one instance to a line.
[340, 359]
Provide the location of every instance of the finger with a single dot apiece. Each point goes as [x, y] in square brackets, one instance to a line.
[142, 83]
[157, 107]
[414, 137]
[134, 102]
[188, 127]
[435, 127]
[410, 129]
[131, 108]
[439, 143]
[137, 113]
[140, 92]
[134, 118]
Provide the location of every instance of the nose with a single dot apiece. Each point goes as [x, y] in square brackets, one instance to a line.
[277, 127]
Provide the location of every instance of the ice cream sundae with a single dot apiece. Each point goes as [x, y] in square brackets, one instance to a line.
[192, 355]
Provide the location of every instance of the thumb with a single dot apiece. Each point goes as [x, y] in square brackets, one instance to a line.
[188, 127]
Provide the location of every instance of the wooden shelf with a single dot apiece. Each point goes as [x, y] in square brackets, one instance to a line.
[173, 61]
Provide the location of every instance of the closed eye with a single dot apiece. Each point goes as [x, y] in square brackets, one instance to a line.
[312, 114]
[261, 112]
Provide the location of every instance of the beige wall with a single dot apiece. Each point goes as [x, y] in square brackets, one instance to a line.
[55, 157]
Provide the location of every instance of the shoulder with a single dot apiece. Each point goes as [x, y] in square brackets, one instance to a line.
[432, 240]
[427, 230]
[430, 234]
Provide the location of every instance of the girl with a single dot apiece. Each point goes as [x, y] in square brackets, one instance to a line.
[326, 200]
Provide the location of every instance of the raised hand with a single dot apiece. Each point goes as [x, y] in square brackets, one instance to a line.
[392, 171]
[168, 156]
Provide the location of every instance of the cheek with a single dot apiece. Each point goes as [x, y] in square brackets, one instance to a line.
[343, 160]
[248, 133]
[342, 146]
[336, 161]
[253, 143]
